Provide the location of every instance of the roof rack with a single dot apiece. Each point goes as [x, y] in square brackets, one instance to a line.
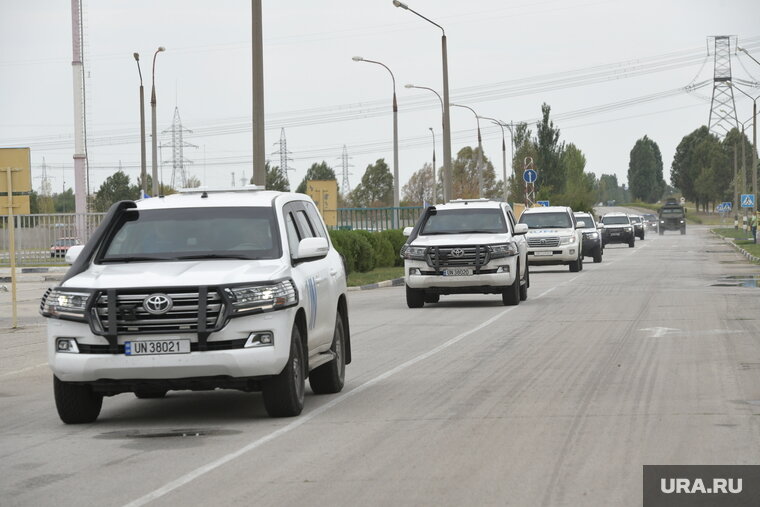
[198, 190]
[480, 199]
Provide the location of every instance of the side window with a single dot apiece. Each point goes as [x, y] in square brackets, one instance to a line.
[304, 226]
[512, 220]
[313, 216]
[292, 232]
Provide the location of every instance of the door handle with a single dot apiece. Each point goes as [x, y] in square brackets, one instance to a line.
[318, 279]
[333, 272]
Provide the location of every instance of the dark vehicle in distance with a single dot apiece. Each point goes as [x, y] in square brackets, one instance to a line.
[617, 228]
[672, 217]
[592, 238]
[638, 226]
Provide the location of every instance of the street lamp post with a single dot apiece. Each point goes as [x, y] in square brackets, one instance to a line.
[443, 126]
[154, 171]
[143, 168]
[754, 137]
[435, 190]
[447, 194]
[480, 150]
[395, 137]
[503, 152]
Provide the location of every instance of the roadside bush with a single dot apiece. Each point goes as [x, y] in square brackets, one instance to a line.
[397, 240]
[346, 247]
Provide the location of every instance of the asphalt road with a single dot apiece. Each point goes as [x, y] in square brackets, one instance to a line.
[650, 357]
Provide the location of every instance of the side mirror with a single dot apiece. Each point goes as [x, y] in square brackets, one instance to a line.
[600, 226]
[312, 248]
[72, 253]
[408, 231]
[521, 228]
[580, 224]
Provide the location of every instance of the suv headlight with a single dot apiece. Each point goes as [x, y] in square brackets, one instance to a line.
[262, 297]
[592, 235]
[627, 228]
[414, 253]
[64, 304]
[503, 250]
[567, 240]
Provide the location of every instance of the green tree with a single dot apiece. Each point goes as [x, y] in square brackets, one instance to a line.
[551, 173]
[579, 187]
[276, 180]
[464, 175]
[317, 171]
[645, 171]
[376, 187]
[524, 147]
[419, 188]
[193, 182]
[163, 189]
[115, 188]
[684, 169]
[64, 202]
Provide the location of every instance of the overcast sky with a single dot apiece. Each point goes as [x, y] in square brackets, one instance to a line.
[500, 53]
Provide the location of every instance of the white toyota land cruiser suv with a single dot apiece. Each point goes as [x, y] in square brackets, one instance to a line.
[471, 246]
[554, 236]
[201, 290]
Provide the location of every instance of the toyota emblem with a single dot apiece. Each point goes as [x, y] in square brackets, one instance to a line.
[457, 252]
[543, 241]
[157, 304]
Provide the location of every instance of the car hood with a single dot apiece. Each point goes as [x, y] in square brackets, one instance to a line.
[177, 274]
[461, 239]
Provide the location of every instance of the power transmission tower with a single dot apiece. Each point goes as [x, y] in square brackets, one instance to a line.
[284, 159]
[179, 175]
[46, 188]
[345, 186]
[233, 178]
[722, 107]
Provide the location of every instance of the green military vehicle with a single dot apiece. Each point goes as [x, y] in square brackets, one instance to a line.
[672, 217]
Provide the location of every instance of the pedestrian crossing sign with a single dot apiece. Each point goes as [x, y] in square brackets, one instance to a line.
[748, 200]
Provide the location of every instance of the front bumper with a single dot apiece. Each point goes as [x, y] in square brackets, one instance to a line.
[497, 273]
[616, 236]
[234, 361]
[553, 255]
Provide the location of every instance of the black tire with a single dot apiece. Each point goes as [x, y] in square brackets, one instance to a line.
[580, 263]
[432, 298]
[284, 393]
[598, 254]
[632, 242]
[510, 296]
[683, 231]
[415, 298]
[575, 266]
[330, 377]
[76, 403]
[150, 394]
[524, 287]
[662, 231]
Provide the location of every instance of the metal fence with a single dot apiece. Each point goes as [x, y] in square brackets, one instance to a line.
[378, 219]
[35, 236]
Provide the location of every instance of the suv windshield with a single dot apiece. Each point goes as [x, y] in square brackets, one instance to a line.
[636, 220]
[586, 219]
[672, 211]
[615, 220]
[557, 220]
[460, 221]
[194, 233]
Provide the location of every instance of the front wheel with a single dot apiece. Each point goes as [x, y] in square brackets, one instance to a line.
[76, 403]
[575, 266]
[598, 254]
[510, 296]
[329, 378]
[432, 298]
[631, 242]
[683, 231]
[524, 287]
[415, 298]
[284, 393]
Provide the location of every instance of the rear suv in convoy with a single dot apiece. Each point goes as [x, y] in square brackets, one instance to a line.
[617, 228]
[468, 246]
[592, 240]
[639, 228]
[204, 290]
[554, 236]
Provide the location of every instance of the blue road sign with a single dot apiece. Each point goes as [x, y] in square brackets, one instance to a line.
[748, 200]
[530, 176]
[723, 207]
[543, 203]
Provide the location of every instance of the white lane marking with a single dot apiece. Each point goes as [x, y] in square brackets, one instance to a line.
[22, 370]
[659, 332]
[190, 476]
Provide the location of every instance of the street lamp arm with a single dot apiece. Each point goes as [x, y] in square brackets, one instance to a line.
[406, 7]
[426, 88]
[137, 59]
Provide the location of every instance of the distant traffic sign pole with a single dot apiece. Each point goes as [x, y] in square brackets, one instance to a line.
[530, 175]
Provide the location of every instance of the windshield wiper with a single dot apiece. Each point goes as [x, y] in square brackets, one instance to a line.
[133, 259]
[215, 256]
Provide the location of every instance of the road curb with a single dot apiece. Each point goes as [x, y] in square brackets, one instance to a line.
[749, 256]
[387, 283]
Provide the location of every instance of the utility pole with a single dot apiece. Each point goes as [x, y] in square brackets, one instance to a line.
[736, 185]
[257, 56]
[80, 177]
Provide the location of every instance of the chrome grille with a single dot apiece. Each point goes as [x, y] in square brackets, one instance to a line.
[550, 241]
[183, 317]
[447, 256]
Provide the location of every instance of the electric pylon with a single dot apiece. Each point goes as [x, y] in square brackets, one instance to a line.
[722, 107]
[179, 175]
[284, 159]
[345, 186]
